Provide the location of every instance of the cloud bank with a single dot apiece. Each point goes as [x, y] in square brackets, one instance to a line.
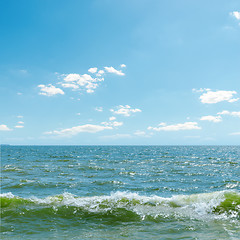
[235, 14]
[87, 128]
[49, 90]
[4, 127]
[176, 127]
[79, 82]
[211, 97]
[225, 112]
[125, 110]
[211, 118]
[113, 70]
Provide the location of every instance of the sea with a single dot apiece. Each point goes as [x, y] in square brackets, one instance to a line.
[120, 192]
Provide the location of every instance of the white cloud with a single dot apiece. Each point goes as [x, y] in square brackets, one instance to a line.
[90, 91]
[218, 96]
[4, 128]
[200, 90]
[19, 93]
[20, 122]
[70, 85]
[122, 65]
[177, 127]
[225, 112]
[80, 82]
[113, 124]
[235, 134]
[112, 118]
[49, 90]
[99, 109]
[139, 133]
[89, 128]
[92, 70]
[235, 114]
[85, 82]
[90, 87]
[125, 110]
[72, 77]
[211, 118]
[235, 14]
[78, 114]
[100, 73]
[19, 116]
[19, 126]
[85, 79]
[117, 124]
[113, 70]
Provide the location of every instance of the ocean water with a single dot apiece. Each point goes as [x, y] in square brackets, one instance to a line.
[120, 192]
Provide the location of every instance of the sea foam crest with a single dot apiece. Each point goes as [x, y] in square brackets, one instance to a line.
[223, 204]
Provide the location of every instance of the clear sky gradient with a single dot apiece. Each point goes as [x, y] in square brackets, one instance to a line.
[105, 72]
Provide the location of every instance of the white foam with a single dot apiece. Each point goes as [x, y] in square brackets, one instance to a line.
[197, 206]
[7, 195]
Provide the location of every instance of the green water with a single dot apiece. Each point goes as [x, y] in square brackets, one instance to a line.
[120, 192]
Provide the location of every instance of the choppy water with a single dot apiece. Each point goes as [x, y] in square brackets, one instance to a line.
[120, 192]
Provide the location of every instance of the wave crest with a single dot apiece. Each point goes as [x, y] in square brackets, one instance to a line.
[126, 206]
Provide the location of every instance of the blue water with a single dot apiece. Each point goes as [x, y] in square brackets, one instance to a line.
[120, 192]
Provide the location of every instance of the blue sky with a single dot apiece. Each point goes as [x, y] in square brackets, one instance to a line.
[120, 72]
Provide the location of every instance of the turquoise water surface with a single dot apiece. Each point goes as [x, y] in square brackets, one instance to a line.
[120, 192]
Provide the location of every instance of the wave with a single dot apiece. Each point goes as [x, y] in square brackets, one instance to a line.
[126, 206]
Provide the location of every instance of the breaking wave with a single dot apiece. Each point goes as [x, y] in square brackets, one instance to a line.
[126, 206]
